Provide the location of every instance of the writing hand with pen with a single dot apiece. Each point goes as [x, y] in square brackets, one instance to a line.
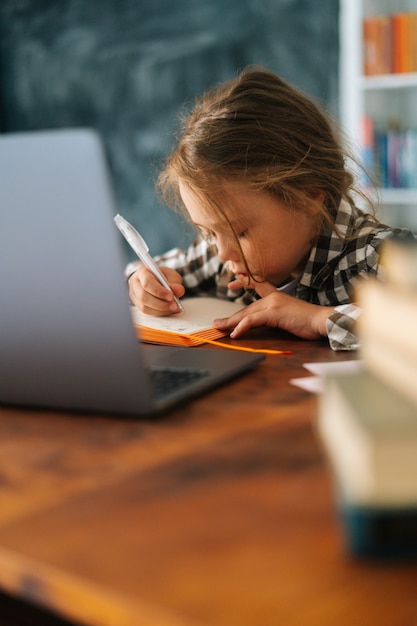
[152, 289]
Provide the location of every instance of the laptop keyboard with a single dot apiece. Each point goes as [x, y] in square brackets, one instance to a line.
[166, 380]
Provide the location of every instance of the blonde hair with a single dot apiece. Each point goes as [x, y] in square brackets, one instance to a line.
[258, 130]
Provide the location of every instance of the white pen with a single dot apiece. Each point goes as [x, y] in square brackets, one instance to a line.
[138, 244]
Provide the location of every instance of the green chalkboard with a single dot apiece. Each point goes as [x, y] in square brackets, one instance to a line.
[128, 67]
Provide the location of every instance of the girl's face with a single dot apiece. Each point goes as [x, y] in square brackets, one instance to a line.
[275, 240]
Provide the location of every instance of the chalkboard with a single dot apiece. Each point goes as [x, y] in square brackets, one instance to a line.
[129, 67]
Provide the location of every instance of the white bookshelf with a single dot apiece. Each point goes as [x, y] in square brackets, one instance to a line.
[383, 97]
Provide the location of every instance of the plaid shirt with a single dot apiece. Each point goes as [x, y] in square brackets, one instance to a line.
[335, 264]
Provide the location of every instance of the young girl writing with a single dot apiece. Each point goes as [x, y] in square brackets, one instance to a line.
[260, 173]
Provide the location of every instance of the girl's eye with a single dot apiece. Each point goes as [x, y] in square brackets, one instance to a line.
[207, 234]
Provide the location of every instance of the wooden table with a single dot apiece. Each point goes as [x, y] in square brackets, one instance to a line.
[218, 514]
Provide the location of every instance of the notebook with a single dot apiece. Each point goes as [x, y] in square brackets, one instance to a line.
[67, 340]
[191, 327]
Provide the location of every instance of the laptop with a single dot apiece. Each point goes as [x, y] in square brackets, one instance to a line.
[67, 339]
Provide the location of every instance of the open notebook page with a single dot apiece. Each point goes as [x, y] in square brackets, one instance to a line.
[192, 326]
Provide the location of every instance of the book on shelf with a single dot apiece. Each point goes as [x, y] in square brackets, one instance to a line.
[369, 433]
[389, 43]
[408, 157]
[368, 149]
[403, 39]
[376, 45]
[390, 154]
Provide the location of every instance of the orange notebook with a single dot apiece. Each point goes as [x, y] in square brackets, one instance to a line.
[191, 327]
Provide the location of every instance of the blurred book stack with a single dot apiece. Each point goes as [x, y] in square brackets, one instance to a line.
[368, 420]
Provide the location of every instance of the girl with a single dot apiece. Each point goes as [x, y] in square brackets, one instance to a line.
[262, 176]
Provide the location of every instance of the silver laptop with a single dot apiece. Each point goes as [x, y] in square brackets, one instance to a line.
[66, 335]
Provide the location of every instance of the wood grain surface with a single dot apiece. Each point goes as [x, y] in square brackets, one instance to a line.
[221, 513]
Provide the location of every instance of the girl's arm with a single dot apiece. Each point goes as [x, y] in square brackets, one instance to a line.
[279, 310]
[306, 320]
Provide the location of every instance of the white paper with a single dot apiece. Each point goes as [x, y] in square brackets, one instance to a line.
[198, 315]
[334, 367]
[315, 384]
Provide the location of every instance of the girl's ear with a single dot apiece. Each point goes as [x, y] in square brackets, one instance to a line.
[318, 195]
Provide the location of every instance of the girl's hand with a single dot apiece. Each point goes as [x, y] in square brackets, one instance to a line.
[147, 293]
[278, 310]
